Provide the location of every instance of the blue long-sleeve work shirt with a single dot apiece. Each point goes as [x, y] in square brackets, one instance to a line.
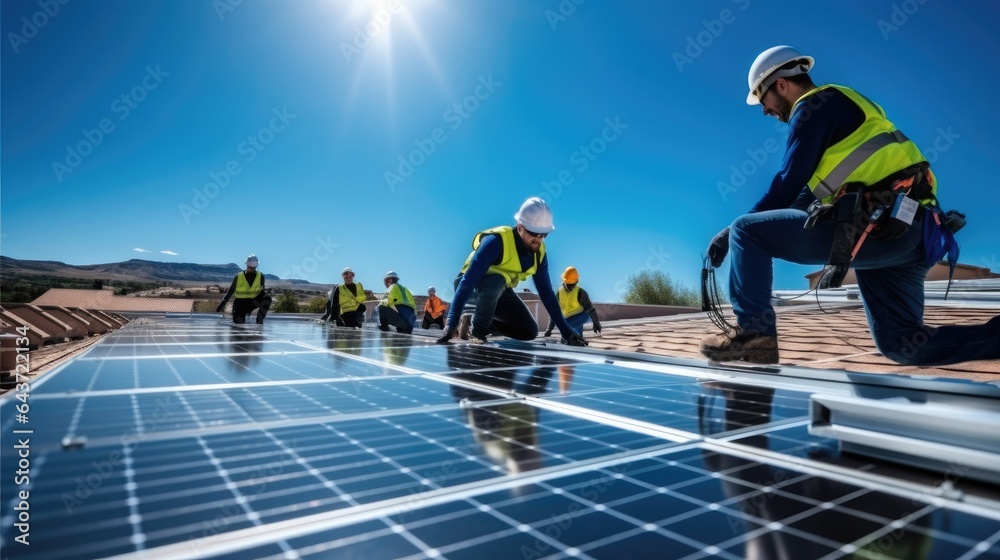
[820, 121]
[487, 254]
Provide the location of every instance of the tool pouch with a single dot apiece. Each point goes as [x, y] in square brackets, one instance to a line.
[849, 221]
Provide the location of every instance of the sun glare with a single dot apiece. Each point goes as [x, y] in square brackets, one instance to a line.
[381, 30]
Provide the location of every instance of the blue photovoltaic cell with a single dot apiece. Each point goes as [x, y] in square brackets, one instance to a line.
[183, 437]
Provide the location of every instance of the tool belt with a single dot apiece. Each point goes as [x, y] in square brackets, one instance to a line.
[884, 210]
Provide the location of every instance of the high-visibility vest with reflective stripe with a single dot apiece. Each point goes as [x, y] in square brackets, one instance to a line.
[510, 262]
[871, 153]
[400, 295]
[348, 301]
[246, 290]
[569, 301]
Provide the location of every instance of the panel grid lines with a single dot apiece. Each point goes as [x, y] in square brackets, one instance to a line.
[189, 437]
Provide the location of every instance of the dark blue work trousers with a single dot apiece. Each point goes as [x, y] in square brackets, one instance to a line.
[498, 310]
[890, 276]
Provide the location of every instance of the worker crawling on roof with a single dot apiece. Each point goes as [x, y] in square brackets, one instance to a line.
[852, 192]
[501, 258]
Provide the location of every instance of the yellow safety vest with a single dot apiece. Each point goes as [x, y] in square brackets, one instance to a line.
[569, 301]
[510, 262]
[245, 290]
[349, 302]
[871, 153]
[400, 295]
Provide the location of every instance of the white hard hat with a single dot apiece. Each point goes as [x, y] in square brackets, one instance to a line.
[535, 215]
[392, 274]
[346, 270]
[432, 289]
[764, 70]
[252, 260]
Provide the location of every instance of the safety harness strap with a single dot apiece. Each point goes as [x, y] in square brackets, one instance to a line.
[830, 184]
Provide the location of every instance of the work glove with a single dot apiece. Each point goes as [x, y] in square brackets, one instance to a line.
[448, 335]
[220, 307]
[548, 332]
[339, 321]
[833, 276]
[597, 328]
[718, 248]
[575, 339]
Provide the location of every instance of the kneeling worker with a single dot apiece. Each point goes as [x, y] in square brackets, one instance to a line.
[575, 304]
[501, 258]
[398, 308]
[248, 287]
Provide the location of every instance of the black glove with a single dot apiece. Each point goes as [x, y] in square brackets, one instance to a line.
[833, 276]
[448, 335]
[220, 307]
[718, 248]
[597, 328]
[575, 339]
[339, 321]
[548, 332]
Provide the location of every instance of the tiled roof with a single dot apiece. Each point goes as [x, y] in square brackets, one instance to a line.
[835, 337]
[106, 300]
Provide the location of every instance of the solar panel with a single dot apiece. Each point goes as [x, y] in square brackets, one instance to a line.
[185, 437]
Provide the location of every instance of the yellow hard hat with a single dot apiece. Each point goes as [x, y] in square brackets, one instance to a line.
[570, 275]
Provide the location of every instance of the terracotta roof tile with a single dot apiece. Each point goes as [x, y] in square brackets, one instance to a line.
[835, 338]
[106, 300]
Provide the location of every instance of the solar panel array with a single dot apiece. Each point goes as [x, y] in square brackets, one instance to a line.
[185, 437]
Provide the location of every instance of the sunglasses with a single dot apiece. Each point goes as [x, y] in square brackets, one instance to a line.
[533, 234]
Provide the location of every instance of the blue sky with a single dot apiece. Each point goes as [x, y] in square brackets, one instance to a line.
[321, 134]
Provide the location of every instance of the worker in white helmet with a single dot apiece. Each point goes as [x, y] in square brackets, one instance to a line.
[434, 310]
[248, 287]
[853, 191]
[345, 305]
[501, 258]
[398, 309]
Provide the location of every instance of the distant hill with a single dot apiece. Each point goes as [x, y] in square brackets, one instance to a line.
[135, 270]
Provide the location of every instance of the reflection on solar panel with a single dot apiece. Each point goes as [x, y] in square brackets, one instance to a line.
[191, 438]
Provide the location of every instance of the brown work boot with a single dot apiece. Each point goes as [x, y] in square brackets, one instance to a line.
[744, 346]
[464, 325]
